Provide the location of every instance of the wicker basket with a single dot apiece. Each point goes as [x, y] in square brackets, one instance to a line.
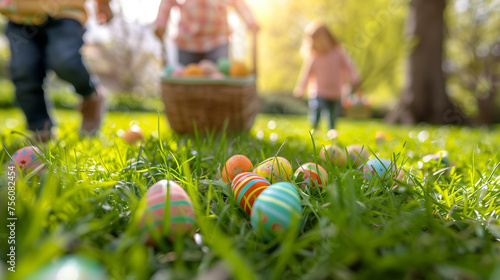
[207, 104]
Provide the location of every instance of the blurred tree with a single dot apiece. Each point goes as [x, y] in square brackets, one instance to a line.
[424, 98]
[472, 61]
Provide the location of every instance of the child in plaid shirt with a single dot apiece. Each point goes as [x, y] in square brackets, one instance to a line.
[203, 27]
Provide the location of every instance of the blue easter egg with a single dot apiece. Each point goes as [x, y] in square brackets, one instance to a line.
[378, 166]
[275, 210]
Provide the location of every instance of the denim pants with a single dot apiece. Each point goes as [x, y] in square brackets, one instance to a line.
[187, 57]
[35, 49]
[318, 105]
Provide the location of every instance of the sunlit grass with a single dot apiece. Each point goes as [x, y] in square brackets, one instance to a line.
[435, 224]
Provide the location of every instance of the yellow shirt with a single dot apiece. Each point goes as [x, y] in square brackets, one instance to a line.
[36, 11]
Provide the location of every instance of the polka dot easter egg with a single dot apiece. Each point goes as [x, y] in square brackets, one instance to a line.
[276, 210]
[234, 166]
[246, 188]
[357, 154]
[310, 174]
[27, 160]
[378, 166]
[180, 210]
[275, 169]
[333, 154]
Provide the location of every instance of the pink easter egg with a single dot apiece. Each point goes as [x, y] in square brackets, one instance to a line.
[26, 159]
[181, 211]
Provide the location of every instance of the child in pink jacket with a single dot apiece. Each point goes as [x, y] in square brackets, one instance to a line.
[324, 72]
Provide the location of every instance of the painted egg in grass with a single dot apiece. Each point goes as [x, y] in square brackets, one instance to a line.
[310, 174]
[70, 267]
[275, 169]
[378, 166]
[27, 160]
[246, 188]
[357, 154]
[180, 209]
[234, 166]
[133, 134]
[276, 209]
[440, 157]
[333, 154]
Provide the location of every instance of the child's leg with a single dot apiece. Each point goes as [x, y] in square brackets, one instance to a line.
[27, 70]
[64, 40]
[314, 112]
[332, 108]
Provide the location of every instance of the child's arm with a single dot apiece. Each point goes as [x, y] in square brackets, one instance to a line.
[244, 11]
[104, 13]
[305, 74]
[162, 18]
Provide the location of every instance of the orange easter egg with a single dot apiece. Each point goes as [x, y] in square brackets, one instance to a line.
[234, 166]
[133, 134]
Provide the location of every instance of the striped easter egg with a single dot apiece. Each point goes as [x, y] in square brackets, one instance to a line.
[246, 188]
[27, 160]
[276, 209]
[310, 174]
[180, 209]
[378, 166]
[275, 169]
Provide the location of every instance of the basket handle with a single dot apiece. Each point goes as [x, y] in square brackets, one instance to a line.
[254, 53]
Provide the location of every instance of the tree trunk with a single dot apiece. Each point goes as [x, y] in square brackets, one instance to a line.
[424, 97]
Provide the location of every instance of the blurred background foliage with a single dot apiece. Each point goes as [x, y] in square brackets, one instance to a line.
[373, 33]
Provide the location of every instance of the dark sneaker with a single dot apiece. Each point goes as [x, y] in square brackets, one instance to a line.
[92, 109]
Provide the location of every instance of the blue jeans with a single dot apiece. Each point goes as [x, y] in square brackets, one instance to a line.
[318, 105]
[35, 49]
[187, 57]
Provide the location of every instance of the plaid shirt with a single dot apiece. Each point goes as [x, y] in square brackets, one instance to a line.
[203, 24]
[37, 11]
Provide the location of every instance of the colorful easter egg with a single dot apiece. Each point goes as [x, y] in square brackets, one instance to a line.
[276, 209]
[378, 166]
[224, 65]
[440, 157]
[180, 209]
[234, 166]
[275, 169]
[310, 174]
[178, 72]
[217, 76]
[133, 134]
[209, 67]
[357, 154]
[70, 267]
[26, 159]
[168, 70]
[246, 188]
[333, 154]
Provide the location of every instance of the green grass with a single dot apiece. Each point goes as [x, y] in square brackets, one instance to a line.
[89, 203]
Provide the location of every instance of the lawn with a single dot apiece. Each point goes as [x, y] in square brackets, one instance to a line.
[434, 224]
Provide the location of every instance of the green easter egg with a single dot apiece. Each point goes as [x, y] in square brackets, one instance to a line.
[224, 65]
